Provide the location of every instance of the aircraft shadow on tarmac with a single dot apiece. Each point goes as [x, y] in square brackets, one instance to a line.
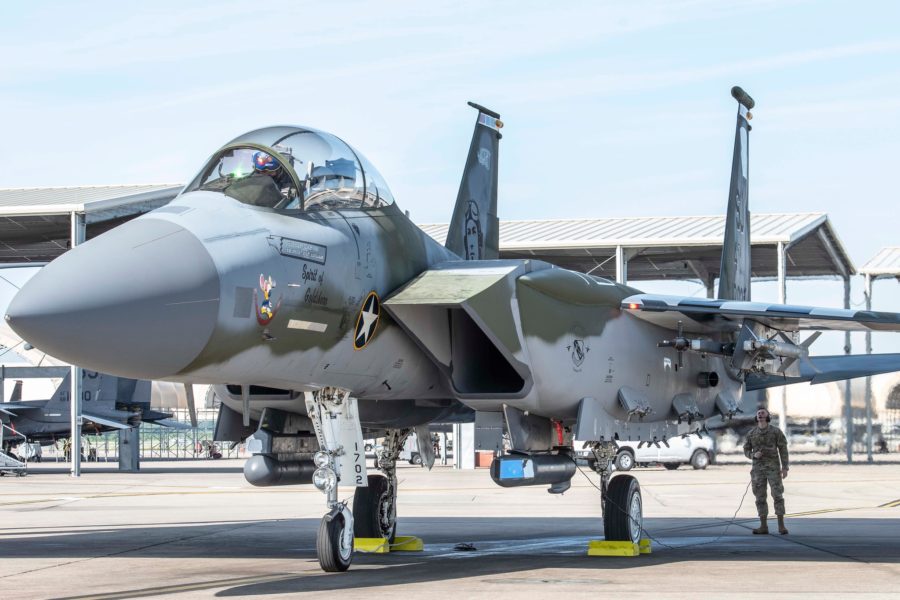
[89, 469]
[504, 546]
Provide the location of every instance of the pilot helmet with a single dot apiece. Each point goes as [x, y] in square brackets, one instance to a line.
[263, 162]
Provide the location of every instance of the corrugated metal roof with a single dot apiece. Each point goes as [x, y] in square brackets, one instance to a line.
[886, 262]
[673, 247]
[642, 231]
[57, 200]
[35, 223]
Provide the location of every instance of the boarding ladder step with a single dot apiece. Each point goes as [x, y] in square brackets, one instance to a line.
[9, 463]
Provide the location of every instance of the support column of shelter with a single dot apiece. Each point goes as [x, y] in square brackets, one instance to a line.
[868, 294]
[621, 265]
[848, 406]
[77, 236]
[782, 299]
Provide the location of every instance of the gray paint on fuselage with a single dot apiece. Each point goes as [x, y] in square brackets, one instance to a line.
[331, 294]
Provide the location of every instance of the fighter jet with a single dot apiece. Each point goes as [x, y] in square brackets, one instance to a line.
[109, 403]
[286, 275]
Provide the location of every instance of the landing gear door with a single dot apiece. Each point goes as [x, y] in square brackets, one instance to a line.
[426, 448]
[343, 437]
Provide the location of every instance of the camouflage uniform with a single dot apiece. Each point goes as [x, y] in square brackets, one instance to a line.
[773, 445]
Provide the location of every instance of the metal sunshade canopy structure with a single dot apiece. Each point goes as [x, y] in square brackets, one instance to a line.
[682, 248]
[39, 224]
[885, 264]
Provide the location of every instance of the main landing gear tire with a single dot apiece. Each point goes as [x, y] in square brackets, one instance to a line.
[333, 555]
[671, 466]
[623, 515]
[624, 461]
[374, 510]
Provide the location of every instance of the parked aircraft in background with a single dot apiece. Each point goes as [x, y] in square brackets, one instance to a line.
[109, 403]
[286, 275]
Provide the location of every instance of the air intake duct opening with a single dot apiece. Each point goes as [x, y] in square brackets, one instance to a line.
[707, 379]
[478, 367]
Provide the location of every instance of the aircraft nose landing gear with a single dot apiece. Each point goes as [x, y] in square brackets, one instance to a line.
[335, 419]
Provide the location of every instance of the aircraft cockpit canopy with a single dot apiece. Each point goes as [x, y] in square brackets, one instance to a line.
[294, 168]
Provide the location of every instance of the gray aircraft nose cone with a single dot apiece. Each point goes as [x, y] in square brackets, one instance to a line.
[139, 301]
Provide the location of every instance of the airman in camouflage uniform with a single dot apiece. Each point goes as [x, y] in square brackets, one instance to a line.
[766, 445]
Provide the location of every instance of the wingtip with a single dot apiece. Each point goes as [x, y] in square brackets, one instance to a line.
[738, 93]
[486, 111]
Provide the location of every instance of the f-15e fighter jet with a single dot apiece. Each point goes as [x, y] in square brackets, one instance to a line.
[285, 274]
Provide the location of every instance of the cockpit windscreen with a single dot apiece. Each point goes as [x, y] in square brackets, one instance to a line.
[294, 168]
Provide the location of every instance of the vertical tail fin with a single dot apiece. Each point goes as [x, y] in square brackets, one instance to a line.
[17, 392]
[734, 273]
[60, 398]
[474, 232]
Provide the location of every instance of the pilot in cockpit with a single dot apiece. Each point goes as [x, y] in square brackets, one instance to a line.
[264, 186]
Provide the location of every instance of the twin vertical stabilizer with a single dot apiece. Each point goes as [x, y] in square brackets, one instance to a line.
[734, 274]
[474, 232]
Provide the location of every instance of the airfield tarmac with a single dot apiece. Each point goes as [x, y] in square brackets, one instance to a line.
[196, 529]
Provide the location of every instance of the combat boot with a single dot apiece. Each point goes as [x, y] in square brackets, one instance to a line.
[763, 528]
[781, 528]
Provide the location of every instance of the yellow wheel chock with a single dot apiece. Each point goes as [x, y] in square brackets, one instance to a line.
[402, 543]
[609, 548]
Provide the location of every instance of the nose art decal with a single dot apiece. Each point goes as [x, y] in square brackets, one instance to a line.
[266, 310]
[367, 321]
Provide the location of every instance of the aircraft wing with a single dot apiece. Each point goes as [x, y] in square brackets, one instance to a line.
[106, 422]
[22, 405]
[700, 315]
[822, 369]
[13, 408]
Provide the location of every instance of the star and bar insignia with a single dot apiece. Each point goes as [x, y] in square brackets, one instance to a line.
[367, 321]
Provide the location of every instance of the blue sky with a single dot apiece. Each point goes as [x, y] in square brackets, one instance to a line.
[631, 96]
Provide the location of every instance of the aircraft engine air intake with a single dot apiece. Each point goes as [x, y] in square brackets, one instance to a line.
[264, 471]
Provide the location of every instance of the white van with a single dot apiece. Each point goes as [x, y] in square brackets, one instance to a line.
[690, 450]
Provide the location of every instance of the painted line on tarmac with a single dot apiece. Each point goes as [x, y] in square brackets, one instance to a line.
[822, 511]
[186, 587]
[892, 504]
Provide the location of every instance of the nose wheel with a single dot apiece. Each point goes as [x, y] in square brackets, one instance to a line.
[334, 542]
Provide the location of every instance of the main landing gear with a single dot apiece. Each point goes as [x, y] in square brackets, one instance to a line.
[375, 506]
[622, 506]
